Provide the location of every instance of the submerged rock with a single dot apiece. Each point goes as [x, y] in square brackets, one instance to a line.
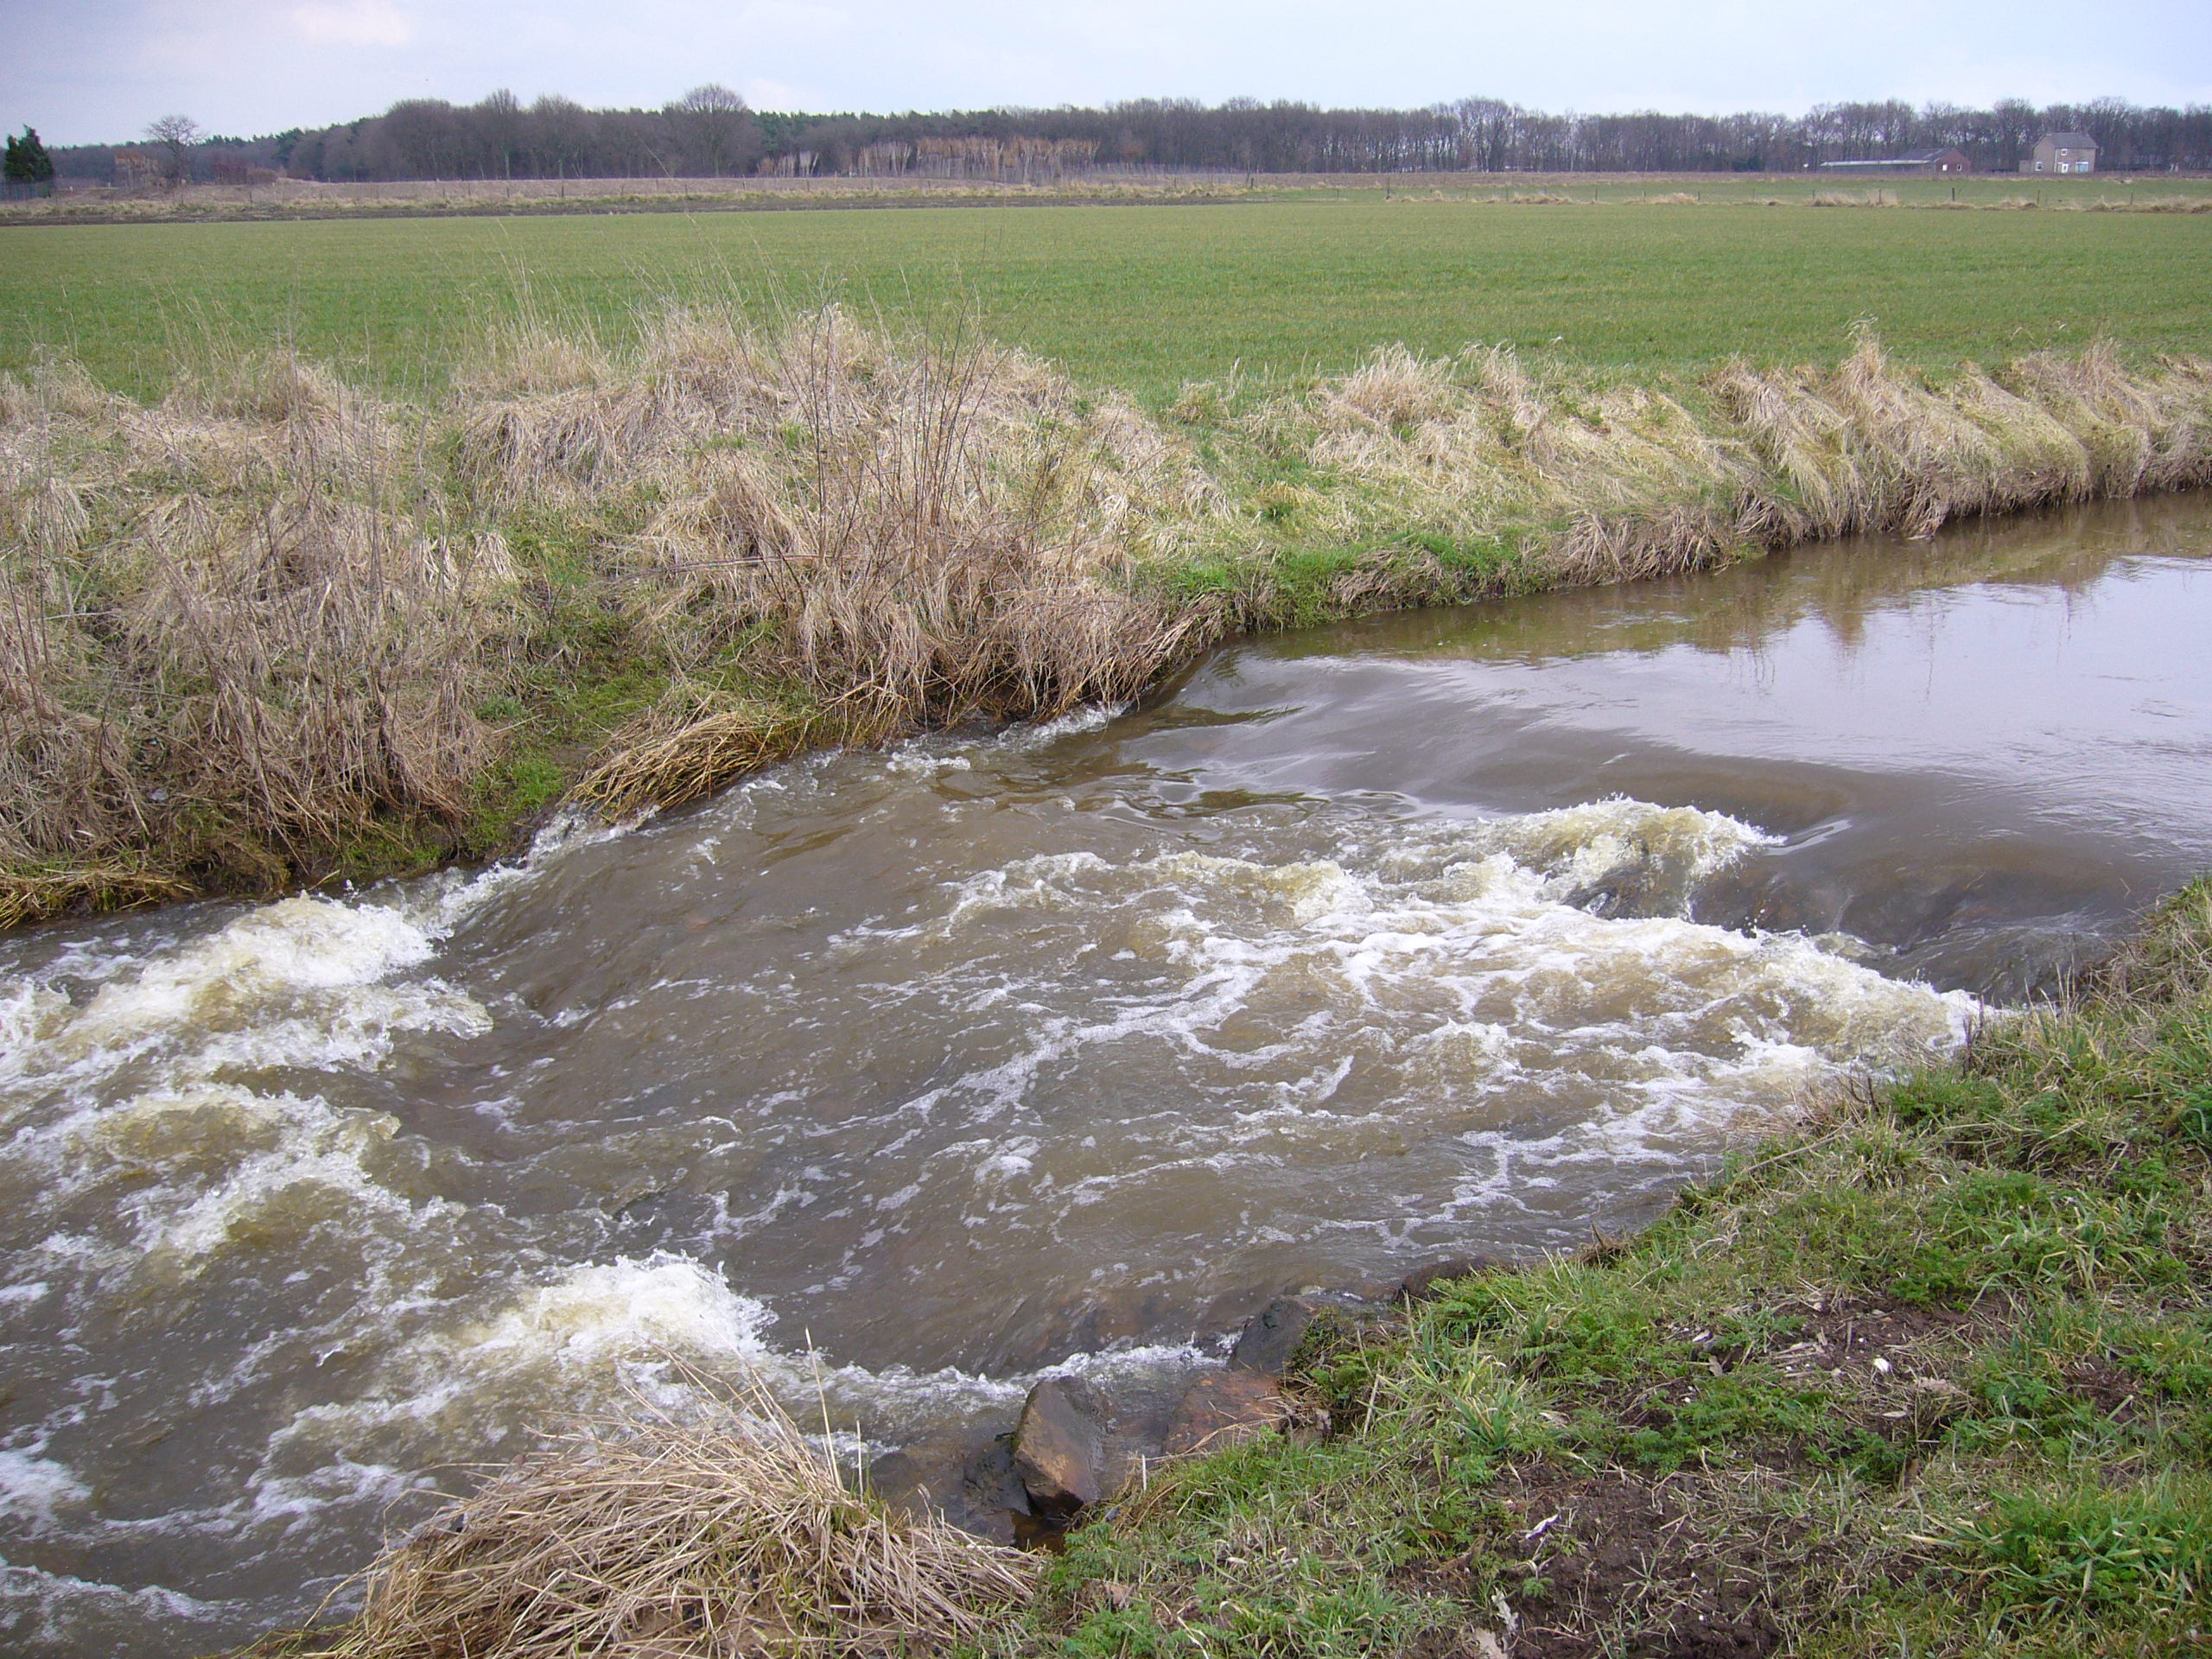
[989, 1482]
[1423, 1284]
[1270, 1342]
[1059, 1445]
[1223, 1409]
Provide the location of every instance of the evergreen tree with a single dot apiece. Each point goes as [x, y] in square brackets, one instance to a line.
[27, 162]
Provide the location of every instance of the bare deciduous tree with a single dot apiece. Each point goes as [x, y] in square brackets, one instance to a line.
[717, 122]
[176, 135]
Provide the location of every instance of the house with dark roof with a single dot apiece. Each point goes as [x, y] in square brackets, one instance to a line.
[2062, 152]
[1921, 161]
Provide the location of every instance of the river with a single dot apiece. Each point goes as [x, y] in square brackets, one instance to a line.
[902, 1076]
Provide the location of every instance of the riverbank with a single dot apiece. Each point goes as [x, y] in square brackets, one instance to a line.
[275, 631]
[1927, 1373]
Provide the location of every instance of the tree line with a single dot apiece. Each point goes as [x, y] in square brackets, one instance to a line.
[710, 132]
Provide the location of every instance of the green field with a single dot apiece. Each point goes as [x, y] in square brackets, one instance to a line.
[1144, 297]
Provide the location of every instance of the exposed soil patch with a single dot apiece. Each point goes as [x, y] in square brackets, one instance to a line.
[1631, 1566]
[1846, 1339]
[2106, 1386]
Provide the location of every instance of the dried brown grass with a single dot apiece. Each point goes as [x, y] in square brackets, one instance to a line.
[1602, 482]
[247, 632]
[912, 531]
[243, 630]
[932, 532]
[1614, 483]
[691, 740]
[2151, 205]
[734, 1535]
[228, 630]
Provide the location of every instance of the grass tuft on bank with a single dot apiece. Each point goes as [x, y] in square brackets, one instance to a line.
[731, 1535]
[275, 630]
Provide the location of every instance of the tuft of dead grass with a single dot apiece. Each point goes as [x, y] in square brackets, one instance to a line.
[229, 630]
[735, 1535]
[2151, 205]
[692, 739]
[917, 534]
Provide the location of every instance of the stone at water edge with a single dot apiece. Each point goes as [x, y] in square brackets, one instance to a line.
[1271, 1338]
[1223, 1408]
[989, 1482]
[1059, 1445]
[1422, 1284]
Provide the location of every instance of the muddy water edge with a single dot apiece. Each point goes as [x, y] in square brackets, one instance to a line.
[903, 1077]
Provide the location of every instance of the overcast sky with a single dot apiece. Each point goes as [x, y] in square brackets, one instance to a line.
[90, 70]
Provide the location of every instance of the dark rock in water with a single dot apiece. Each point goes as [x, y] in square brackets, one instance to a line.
[1059, 1445]
[1222, 1408]
[1270, 1340]
[989, 1482]
[1423, 1283]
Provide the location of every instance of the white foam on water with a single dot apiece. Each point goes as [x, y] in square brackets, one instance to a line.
[1024, 739]
[298, 983]
[1658, 854]
[141, 1150]
[57, 1611]
[316, 1164]
[33, 1488]
[440, 904]
[1454, 957]
[918, 758]
[302, 984]
[604, 1340]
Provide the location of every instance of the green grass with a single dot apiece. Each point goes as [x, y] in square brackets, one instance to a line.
[1146, 297]
[1931, 1377]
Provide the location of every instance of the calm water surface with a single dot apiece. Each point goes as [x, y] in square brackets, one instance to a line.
[922, 1071]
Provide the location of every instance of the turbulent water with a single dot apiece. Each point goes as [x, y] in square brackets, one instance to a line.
[902, 1076]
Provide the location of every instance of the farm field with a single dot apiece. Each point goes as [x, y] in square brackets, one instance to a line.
[1146, 297]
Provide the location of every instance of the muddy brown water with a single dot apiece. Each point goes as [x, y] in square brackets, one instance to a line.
[899, 1076]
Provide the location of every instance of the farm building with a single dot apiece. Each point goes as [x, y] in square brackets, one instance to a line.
[1923, 160]
[2062, 152]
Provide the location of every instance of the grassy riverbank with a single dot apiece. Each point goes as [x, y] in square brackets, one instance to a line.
[275, 629]
[1931, 1375]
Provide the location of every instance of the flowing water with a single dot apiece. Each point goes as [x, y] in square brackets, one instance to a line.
[905, 1075]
